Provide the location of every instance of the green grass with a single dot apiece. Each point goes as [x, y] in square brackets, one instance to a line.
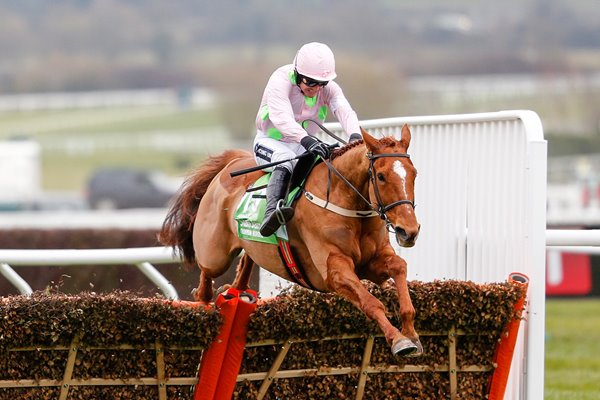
[572, 349]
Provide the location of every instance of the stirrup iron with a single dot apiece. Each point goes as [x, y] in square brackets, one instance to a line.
[279, 214]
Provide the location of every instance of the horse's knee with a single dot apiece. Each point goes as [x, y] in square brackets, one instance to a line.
[398, 268]
[407, 313]
[372, 306]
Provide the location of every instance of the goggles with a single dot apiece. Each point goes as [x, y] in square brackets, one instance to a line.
[312, 82]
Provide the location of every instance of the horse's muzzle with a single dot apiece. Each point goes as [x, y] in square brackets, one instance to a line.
[406, 238]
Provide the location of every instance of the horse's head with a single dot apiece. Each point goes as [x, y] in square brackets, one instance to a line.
[392, 188]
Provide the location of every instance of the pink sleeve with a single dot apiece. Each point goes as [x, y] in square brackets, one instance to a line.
[342, 110]
[281, 113]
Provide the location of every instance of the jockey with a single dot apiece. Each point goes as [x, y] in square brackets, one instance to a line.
[294, 93]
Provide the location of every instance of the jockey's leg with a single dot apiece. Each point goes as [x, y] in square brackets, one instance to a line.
[276, 213]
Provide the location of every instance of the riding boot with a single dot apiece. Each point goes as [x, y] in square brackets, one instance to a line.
[276, 213]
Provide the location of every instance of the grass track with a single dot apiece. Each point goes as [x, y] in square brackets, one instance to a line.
[572, 349]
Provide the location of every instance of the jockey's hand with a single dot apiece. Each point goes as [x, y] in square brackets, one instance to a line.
[314, 146]
[354, 137]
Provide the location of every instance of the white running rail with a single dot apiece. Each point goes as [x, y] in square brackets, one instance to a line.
[142, 258]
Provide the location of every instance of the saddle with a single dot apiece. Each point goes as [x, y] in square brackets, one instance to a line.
[251, 209]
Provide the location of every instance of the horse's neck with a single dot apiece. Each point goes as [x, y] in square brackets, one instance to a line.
[353, 166]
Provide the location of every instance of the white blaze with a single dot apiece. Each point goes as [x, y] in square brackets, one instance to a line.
[401, 172]
[399, 169]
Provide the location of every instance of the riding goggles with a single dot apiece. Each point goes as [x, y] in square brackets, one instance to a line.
[312, 82]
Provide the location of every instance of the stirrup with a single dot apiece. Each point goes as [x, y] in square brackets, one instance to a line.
[279, 212]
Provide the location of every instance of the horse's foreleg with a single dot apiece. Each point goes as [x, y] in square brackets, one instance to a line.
[243, 272]
[342, 280]
[397, 269]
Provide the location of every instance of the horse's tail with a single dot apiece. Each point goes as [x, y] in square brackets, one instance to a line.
[178, 226]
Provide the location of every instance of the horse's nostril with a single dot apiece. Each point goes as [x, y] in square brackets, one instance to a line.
[401, 232]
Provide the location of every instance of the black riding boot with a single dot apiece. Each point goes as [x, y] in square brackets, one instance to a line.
[276, 213]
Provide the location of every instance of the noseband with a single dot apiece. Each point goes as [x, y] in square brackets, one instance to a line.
[372, 173]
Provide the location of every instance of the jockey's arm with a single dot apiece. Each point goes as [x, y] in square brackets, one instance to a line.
[341, 108]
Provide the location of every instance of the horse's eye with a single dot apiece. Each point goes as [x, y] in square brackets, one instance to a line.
[380, 177]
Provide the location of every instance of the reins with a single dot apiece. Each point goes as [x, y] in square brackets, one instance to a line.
[381, 209]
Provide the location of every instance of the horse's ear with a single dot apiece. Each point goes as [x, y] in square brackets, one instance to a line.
[369, 140]
[405, 139]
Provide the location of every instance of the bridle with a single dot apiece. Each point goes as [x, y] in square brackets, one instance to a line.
[372, 176]
[381, 209]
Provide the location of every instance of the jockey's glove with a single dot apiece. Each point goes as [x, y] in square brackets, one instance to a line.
[354, 137]
[314, 146]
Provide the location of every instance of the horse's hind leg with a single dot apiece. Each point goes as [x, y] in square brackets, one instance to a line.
[242, 275]
[204, 292]
[243, 272]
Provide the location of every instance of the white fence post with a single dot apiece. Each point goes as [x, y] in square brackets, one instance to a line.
[481, 202]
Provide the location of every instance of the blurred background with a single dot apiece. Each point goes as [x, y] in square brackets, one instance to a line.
[107, 104]
[156, 86]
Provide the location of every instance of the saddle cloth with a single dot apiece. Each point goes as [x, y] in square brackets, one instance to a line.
[251, 210]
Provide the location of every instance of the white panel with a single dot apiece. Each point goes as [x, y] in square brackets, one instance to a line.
[480, 196]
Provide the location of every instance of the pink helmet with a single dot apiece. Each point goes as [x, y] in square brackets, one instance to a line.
[315, 60]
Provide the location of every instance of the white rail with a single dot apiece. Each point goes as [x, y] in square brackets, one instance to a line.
[567, 240]
[573, 237]
[142, 258]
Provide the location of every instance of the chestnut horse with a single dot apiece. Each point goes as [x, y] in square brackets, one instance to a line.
[369, 185]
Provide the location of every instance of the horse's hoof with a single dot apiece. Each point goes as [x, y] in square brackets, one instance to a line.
[404, 347]
[222, 289]
[419, 351]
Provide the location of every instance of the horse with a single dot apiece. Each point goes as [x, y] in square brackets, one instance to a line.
[369, 186]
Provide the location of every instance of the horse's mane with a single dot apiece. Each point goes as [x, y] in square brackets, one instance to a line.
[338, 152]
[387, 141]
